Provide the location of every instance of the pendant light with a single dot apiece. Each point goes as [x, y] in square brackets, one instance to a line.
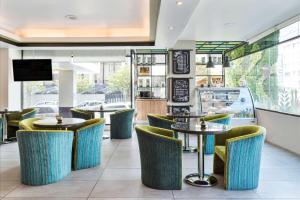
[210, 63]
[226, 62]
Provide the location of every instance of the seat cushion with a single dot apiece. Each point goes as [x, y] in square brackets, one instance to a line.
[13, 123]
[221, 152]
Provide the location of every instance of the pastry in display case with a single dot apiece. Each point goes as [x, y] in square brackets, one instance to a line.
[237, 101]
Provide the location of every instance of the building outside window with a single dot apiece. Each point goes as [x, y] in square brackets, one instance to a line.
[96, 83]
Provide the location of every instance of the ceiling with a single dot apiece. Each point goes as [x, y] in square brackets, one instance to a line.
[225, 20]
[220, 20]
[139, 21]
[96, 20]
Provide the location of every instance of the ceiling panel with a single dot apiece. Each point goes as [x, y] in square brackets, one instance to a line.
[236, 20]
[96, 20]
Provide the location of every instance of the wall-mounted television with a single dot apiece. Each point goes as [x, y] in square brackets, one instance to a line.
[32, 70]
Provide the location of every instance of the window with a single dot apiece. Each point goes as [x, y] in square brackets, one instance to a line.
[42, 95]
[209, 76]
[272, 75]
[105, 85]
[86, 79]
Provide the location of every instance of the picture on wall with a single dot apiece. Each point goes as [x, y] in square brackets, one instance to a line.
[181, 61]
[180, 90]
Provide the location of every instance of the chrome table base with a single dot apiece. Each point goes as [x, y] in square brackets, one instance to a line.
[189, 149]
[196, 180]
[200, 179]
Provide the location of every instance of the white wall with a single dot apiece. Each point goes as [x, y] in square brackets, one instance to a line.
[10, 91]
[3, 78]
[282, 130]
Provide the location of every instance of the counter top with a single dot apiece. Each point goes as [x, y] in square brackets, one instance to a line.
[151, 99]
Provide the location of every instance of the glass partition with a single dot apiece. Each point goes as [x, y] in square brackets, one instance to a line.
[99, 78]
[273, 76]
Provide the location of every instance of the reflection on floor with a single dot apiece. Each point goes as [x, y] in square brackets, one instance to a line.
[118, 177]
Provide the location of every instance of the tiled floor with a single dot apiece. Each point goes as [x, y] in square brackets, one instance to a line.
[118, 178]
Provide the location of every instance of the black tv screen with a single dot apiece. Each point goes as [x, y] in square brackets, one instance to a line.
[32, 70]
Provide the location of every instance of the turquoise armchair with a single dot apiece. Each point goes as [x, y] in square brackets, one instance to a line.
[45, 156]
[82, 114]
[87, 144]
[161, 121]
[237, 155]
[161, 158]
[209, 140]
[121, 124]
[14, 118]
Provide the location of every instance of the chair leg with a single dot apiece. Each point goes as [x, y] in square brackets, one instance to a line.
[218, 165]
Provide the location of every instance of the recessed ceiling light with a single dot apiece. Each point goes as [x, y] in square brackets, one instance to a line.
[179, 3]
[171, 28]
[71, 17]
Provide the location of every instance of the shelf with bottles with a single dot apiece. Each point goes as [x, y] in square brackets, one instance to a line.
[148, 59]
[151, 74]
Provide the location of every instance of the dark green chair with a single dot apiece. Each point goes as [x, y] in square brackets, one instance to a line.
[82, 114]
[161, 121]
[161, 158]
[14, 118]
[121, 124]
[238, 155]
[209, 140]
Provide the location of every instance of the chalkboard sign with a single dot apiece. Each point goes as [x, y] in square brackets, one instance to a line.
[180, 109]
[180, 90]
[181, 61]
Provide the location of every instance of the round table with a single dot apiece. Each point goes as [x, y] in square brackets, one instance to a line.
[186, 117]
[194, 127]
[52, 123]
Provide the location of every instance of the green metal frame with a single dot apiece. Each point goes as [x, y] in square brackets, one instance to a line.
[216, 47]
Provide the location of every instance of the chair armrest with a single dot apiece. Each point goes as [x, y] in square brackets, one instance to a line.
[13, 116]
[221, 139]
[243, 137]
[169, 134]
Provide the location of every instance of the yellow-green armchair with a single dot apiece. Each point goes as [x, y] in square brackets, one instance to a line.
[161, 158]
[209, 140]
[237, 155]
[14, 118]
[161, 121]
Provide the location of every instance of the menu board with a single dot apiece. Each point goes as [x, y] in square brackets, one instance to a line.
[180, 90]
[180, 109]
[181, 61]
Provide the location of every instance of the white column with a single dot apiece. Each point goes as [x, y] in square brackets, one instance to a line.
[10, 91]
[67, 90]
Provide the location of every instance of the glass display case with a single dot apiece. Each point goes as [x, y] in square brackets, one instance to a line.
[237, 101]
